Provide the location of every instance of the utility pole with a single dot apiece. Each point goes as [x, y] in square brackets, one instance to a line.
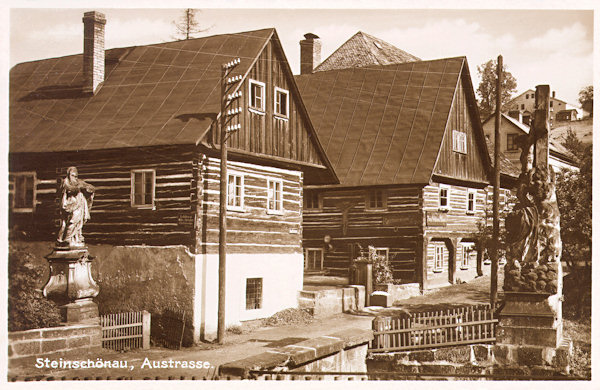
[229, 114]
[496, 232]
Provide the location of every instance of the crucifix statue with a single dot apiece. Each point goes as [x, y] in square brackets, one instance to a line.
[533, 228]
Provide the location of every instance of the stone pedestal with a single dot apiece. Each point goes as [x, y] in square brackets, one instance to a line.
[530, 330]
[71, 285]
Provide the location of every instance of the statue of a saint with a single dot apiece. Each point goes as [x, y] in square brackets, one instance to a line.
[75, 204]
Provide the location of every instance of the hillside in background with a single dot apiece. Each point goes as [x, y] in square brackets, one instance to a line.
[583, 129]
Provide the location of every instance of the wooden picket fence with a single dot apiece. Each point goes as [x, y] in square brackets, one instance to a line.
[443, 328]
[126, 331]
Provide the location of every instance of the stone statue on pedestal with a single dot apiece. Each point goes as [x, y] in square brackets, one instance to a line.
[70, 282]
[75, 205]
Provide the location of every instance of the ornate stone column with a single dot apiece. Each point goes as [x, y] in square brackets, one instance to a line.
[530, 324]
[70, 283]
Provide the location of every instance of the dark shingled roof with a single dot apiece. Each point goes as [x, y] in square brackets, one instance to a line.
[506, 166]
[382, 124]
[363, 50]
[160, 94]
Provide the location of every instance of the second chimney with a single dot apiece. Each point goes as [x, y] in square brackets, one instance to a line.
[310, 53]
[93, 50]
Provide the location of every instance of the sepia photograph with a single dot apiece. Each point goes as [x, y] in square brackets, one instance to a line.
[316, 192]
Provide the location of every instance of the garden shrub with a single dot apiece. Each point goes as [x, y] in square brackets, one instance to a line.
[27, 307]
[382, 273]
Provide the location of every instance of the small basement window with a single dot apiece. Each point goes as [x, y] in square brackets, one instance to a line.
[257, 95]
[254, 288]
[281, 108]
[23, 193]
[274, 196]
[143, 182]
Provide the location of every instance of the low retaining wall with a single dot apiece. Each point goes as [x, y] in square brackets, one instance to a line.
[478, 359]
[398, 292]
[322, 302]
[342, 351]
[28, 345]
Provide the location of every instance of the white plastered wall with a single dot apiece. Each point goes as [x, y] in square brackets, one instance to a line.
[282, 276]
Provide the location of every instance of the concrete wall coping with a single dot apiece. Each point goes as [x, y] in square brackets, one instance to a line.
[297, 354]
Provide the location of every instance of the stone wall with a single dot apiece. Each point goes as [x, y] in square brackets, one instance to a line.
[28, 345]
[476, 359]
[342, 351]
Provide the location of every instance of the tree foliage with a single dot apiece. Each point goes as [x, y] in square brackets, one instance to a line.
[27, 307]
[586, 99]
[487, 87]
[187, 26]
[574, 195]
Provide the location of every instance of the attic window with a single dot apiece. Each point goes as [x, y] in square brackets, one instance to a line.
[281, 108]
[257, 96]
[459, 141]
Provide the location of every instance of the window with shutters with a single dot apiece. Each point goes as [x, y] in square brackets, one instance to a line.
[142, 188]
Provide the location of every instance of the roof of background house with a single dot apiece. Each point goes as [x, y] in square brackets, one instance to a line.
[555, 146]
[363, 50]
[383, 124]
[161, 94]
[506, 166]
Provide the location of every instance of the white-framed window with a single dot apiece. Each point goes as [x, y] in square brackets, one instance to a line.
[23, 192]
[385, 252]
[256, 94]
[312, 200]
[275, 196]
[282, 100]
[235, 192]
[471, 200]
[459, 141]
[438, 259]
[313, 259]
[376, 200]
[254, 293]
[467, 248]
[143, 184]
[444, 197]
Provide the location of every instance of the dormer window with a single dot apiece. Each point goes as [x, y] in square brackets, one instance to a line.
[256, 96]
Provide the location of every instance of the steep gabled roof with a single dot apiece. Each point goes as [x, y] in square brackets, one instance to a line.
[363, 50]
[160, 94]
[383, 124]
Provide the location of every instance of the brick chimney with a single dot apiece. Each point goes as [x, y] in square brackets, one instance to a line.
[93, 50]
[310, 53]
[516, 114]
[554, 94]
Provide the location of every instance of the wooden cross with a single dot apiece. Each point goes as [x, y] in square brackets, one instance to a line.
[540, 131]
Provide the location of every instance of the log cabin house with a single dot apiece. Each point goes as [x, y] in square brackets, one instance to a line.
[140, 124]
[407, 145]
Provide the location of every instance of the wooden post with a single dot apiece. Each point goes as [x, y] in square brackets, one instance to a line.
[146, 330]
[496, 232]
[222, 215]
[541, 126]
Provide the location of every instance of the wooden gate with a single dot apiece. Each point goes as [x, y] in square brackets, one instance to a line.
[125, 331]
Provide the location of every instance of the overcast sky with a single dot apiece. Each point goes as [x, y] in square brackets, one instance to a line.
[539, 46]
